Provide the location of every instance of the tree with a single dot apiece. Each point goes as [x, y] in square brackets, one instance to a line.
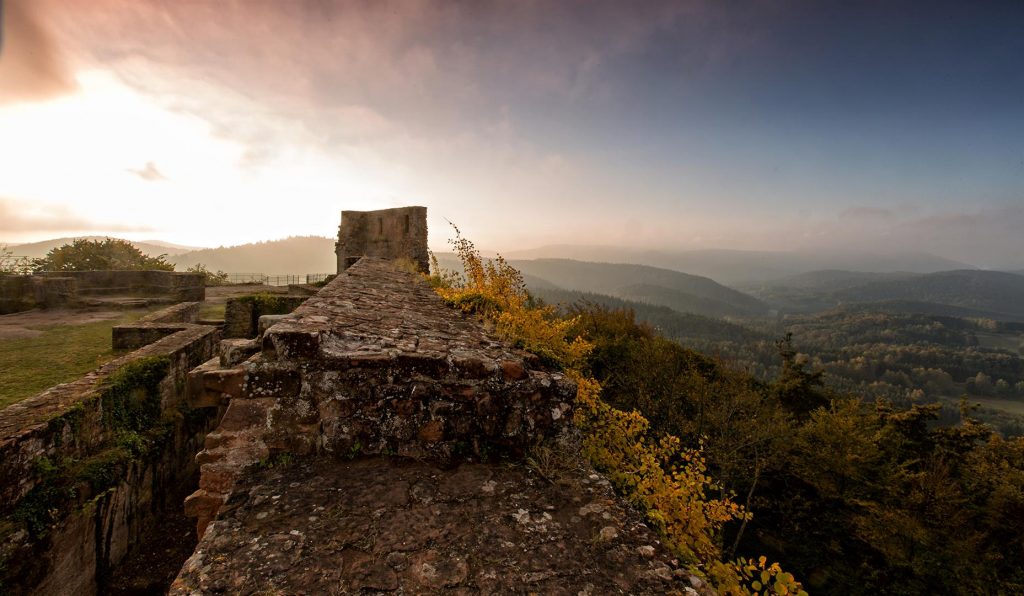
[798, 390]
[106, 254]
[9, 263]
[212, 279]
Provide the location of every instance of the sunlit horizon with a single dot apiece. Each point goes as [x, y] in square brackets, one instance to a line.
[675, 126]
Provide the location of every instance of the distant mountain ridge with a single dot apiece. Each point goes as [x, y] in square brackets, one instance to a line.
[640, 283]
[738, 267]
[991, 291]
[680, 291]
[294, 255]
[961, 293]
[671, 323]
[909, 307]
[153, 248]
[838, 279]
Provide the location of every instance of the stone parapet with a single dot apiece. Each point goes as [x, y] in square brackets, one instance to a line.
[85, 466]
[375, 363]
[176, 285]
[399, 233]
[25, 292]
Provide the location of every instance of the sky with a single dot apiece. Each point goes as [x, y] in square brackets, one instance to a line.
[757, 125]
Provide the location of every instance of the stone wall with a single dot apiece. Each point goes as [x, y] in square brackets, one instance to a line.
[387, 234]
[86, 467]
[155, 326]
[375, 363]
[67, 288]
[25, 292]
[242, 314]
[181, 287]
[304, 490]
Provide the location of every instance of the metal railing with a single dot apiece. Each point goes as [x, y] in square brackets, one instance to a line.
[282, 279]
[312, 278]
[15, 264]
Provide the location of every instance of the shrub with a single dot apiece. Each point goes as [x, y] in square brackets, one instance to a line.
[106, 254]
[656, 473]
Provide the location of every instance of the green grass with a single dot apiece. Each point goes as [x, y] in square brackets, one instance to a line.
[212, 311]
[62, 353]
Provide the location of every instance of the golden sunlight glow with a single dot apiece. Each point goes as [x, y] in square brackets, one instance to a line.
[115, 155]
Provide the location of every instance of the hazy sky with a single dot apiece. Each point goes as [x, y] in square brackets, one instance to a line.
[753, 125]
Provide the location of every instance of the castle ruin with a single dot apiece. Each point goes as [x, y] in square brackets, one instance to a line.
[386, 233]
[373, 439]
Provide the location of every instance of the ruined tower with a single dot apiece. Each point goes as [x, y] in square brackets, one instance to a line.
[386, 233]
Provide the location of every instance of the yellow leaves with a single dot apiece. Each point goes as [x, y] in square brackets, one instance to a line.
[669, 482]
[666, 480]
[745, 577]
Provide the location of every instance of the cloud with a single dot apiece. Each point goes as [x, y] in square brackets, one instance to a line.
[862, 212]
[149, 172]
[988, 237]
[20, 217]
[32, 66]
[426, 64]
[985, 237]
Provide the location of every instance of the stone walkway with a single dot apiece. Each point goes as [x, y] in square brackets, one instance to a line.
[392, 525]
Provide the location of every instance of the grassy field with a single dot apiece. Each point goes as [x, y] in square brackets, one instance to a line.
[61, 353]
[212, 310]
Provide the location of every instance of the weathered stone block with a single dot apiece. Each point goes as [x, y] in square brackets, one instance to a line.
[386, 234]
[376, 362]
[236, 351]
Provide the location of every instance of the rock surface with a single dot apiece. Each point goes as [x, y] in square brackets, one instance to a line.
[375, 363]
[324, 526]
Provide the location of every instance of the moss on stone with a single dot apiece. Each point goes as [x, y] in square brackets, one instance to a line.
[131, 404]
[131, 396]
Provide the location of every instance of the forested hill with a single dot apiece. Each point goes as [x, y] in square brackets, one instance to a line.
[294, 255]
[639, 283]
[153, 248]
[297, 254]
[668, 322]
[830, 280]
[740, 267]
[680, 291]
[990, 291]
[910, 307]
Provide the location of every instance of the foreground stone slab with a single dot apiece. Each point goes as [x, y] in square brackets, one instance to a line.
[323, 526]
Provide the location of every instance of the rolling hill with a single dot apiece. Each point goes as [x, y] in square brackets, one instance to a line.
[990, 291]
[639, 283]
[298, 254]
[670, 323]
[830, 280]
[909, 307]
[742, 267]
[684, 301]
[153, 248]
[814, 291]
[680, 291]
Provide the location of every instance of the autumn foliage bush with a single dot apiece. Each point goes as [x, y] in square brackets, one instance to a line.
[654, 471]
